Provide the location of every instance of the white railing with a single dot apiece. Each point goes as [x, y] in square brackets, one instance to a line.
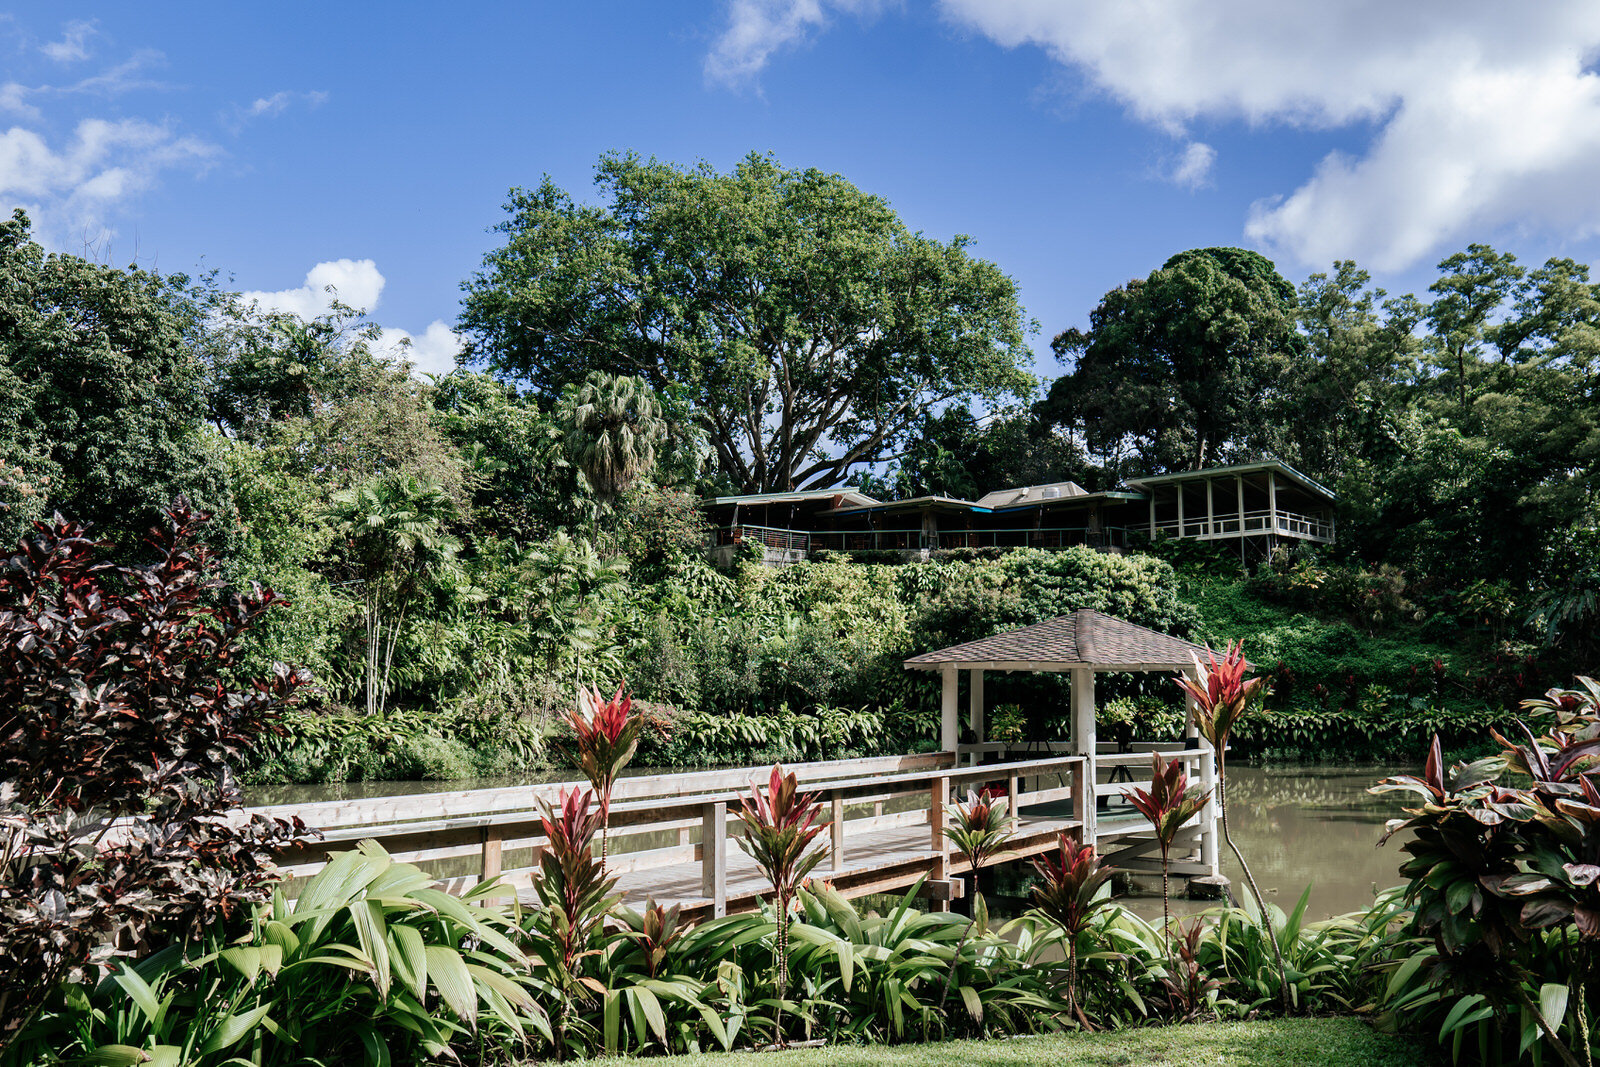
[677, 820]
[770, 536]
[1231, 524]
[1006, 537]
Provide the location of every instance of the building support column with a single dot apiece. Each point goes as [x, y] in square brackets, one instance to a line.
[1238, 483]
[1272, 501]
[948, 735]
[975, 710]
[1179, 487]
[1083, 744]
[1152, 514]
[1211, 510]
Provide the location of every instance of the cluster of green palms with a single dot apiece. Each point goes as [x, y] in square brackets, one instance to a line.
[398, 542]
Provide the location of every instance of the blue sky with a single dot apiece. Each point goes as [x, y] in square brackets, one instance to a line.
[1079, 144]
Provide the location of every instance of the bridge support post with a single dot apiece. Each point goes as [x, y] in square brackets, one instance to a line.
[836, 831]
[714, 856]
[940, 846]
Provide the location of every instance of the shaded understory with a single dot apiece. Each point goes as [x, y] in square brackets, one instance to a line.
[1264, 1043]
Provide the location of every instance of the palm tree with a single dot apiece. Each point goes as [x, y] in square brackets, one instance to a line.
[612, 426]
[395, 527]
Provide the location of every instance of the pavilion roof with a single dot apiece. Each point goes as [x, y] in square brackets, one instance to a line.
[1084, 638]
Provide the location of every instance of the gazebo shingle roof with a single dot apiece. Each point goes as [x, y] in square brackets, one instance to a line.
[1084, 638]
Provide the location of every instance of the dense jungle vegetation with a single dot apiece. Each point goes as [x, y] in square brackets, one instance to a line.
[458, 552]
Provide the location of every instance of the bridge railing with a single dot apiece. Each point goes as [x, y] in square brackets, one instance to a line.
[666, 820]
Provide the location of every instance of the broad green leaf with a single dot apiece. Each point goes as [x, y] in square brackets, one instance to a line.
[450, 977]
[410, 960]
[140, 993]
[376, 1048]
[974, 1004]
[371, 934]
[1553, 1004]
[233, 1029]
[115, 1056]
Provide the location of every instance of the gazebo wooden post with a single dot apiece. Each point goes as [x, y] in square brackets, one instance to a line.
[975, 710]
[948, 728]
[1083, 743]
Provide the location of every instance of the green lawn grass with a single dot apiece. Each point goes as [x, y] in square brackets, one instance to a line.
[1267, 1043]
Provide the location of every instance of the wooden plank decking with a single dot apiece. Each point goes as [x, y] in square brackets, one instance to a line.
[875, 861]
[670, 834]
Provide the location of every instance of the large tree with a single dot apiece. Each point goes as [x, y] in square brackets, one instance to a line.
[808, 326]
[102, 398]
[1178, 366]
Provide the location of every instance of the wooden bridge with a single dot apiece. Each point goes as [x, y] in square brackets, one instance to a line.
[670, 834]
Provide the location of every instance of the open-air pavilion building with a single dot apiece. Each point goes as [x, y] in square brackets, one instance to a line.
[1081, 645]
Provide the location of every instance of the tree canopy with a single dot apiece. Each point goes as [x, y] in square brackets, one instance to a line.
[807, 325]
[1177, 366]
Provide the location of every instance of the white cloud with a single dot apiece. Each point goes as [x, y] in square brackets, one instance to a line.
[359, 284]
[70, 189]
[74, 43]
[431, 352]
[272, 106]
[1193, 168]
[355, 282]
[1485, 115]
[758, 28]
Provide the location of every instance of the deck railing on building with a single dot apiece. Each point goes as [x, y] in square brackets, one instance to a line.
[1288, 523]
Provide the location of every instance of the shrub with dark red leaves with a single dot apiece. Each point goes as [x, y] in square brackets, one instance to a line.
[120, 714]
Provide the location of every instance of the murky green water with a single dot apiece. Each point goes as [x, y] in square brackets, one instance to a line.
[1297, 825]
[1302, 826]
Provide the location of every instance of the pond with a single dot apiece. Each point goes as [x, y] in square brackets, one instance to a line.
[1311, 825]
[1298, 825]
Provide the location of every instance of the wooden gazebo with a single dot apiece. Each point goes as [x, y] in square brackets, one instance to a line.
[1081, 644]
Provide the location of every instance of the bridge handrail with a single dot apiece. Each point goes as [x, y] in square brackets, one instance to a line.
[489, 834]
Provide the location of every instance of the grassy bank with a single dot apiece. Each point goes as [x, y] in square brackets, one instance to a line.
[1264, 1043]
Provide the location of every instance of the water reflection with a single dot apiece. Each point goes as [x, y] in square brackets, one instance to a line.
[1309, 825]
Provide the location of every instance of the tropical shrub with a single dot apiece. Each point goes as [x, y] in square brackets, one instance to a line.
[1505, 881]
[576, 896]
[606, 735]
[1220, 694]
[371, 964]
[123, 715]
[1068, 894]
[1170, 802]
[780, 825]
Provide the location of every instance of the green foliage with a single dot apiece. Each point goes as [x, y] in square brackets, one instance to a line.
[371, 963]
[1181, 362]
[1503, 877]
[786, 293]
[655, 526]
[329, 745]
[102, 401]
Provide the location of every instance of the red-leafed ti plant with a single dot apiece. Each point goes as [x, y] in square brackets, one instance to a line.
[576, 896]
[979, 829]
[1170, 802]
[780, 826]
[1068, 894]
[1221, 692]
[607, 733]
